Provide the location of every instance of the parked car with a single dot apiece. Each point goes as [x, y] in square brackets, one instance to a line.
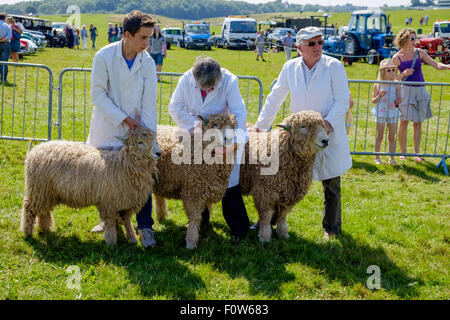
[30, 46]
[197, 35]
[172, 36]
[58, 26]
[35, 24]
[38, 37]
[275, 37]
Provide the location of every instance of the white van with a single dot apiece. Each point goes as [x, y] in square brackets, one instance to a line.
[172, 36]
[239, 32]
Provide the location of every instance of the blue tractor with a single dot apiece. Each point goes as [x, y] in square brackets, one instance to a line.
[367, 36]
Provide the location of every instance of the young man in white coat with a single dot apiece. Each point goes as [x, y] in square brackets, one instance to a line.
[317, 82]
[204, 90]
[123, 90]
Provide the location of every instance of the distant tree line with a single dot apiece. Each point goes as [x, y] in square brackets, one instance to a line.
[178, 9]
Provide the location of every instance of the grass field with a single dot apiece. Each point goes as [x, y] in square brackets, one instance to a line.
[393, 217]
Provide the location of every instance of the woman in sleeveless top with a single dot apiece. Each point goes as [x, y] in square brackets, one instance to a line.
[415, 104]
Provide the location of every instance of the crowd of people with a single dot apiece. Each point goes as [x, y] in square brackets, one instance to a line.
[73, 35]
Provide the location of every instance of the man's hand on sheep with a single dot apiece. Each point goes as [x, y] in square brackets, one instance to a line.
[226, 152]
[131, 123]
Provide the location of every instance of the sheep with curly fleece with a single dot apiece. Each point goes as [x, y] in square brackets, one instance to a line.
[197, 185]
[79, 175]
[301, 136]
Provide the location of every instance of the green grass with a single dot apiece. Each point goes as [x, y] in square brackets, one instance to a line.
[393, 217]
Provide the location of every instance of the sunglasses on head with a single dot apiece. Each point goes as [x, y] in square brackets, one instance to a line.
[313, 43]
[390, 70]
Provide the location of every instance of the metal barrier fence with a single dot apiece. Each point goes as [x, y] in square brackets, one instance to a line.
[75, 106]
[362, 133]
[26, 111]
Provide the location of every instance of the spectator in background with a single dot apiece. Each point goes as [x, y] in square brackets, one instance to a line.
[157, 49]
[260, 45]
[5, 49]
[76, 37]
[16, 33]
[421, 21]
[115, 33]
[426, 19]
[406, 21]
[69, 35]
[120, 31]
[288, 42]
[110, 32]
[84, 36]
[94, 33]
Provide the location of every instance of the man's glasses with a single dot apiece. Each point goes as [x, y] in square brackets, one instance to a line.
[313, 43]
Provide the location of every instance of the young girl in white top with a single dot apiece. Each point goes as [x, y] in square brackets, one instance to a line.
[387, 98]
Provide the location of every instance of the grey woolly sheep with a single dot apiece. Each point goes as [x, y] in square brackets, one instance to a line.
[79, 175]
[301, 137]
[197, 185]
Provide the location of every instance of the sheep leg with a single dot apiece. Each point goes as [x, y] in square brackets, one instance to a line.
[265, 227]
[161, 208]
[28, 218]
[45, 221]
[194, 213]
[282, 228]
[110, 232]
[131, 233]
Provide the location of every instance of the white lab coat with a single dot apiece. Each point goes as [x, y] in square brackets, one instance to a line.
[187, 102]
[118, 92]
[328, 94]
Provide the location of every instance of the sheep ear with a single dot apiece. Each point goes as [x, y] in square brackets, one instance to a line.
[123, 139]
[285, 126]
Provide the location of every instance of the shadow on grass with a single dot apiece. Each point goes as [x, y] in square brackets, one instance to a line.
[264, 265]
[421, 170]
[163, 270]
[155, 271]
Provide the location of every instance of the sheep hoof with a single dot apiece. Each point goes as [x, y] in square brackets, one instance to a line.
[190, 246]
[282, 234]
[264, 239]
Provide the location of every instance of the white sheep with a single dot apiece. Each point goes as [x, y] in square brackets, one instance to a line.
[301, 136]
[79, 175]
[198, 185]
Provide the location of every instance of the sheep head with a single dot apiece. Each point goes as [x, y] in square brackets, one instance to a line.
[306, 133]
[141, 143]
[221, 121]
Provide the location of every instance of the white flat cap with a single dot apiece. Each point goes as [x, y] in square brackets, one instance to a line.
[308, 33]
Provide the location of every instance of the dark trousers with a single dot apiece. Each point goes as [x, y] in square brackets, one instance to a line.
[5, 52]
[234, 212]
[144, 217]
[331, 218]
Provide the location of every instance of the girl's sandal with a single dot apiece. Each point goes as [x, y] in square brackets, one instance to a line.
[419, 159]
[392, 162]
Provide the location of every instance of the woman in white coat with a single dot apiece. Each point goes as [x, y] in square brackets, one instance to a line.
[123, 90]
[204, 90]
[317, 82]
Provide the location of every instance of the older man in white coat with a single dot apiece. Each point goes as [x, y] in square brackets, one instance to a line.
[208, 89]
[123, 90]
[317, 82]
